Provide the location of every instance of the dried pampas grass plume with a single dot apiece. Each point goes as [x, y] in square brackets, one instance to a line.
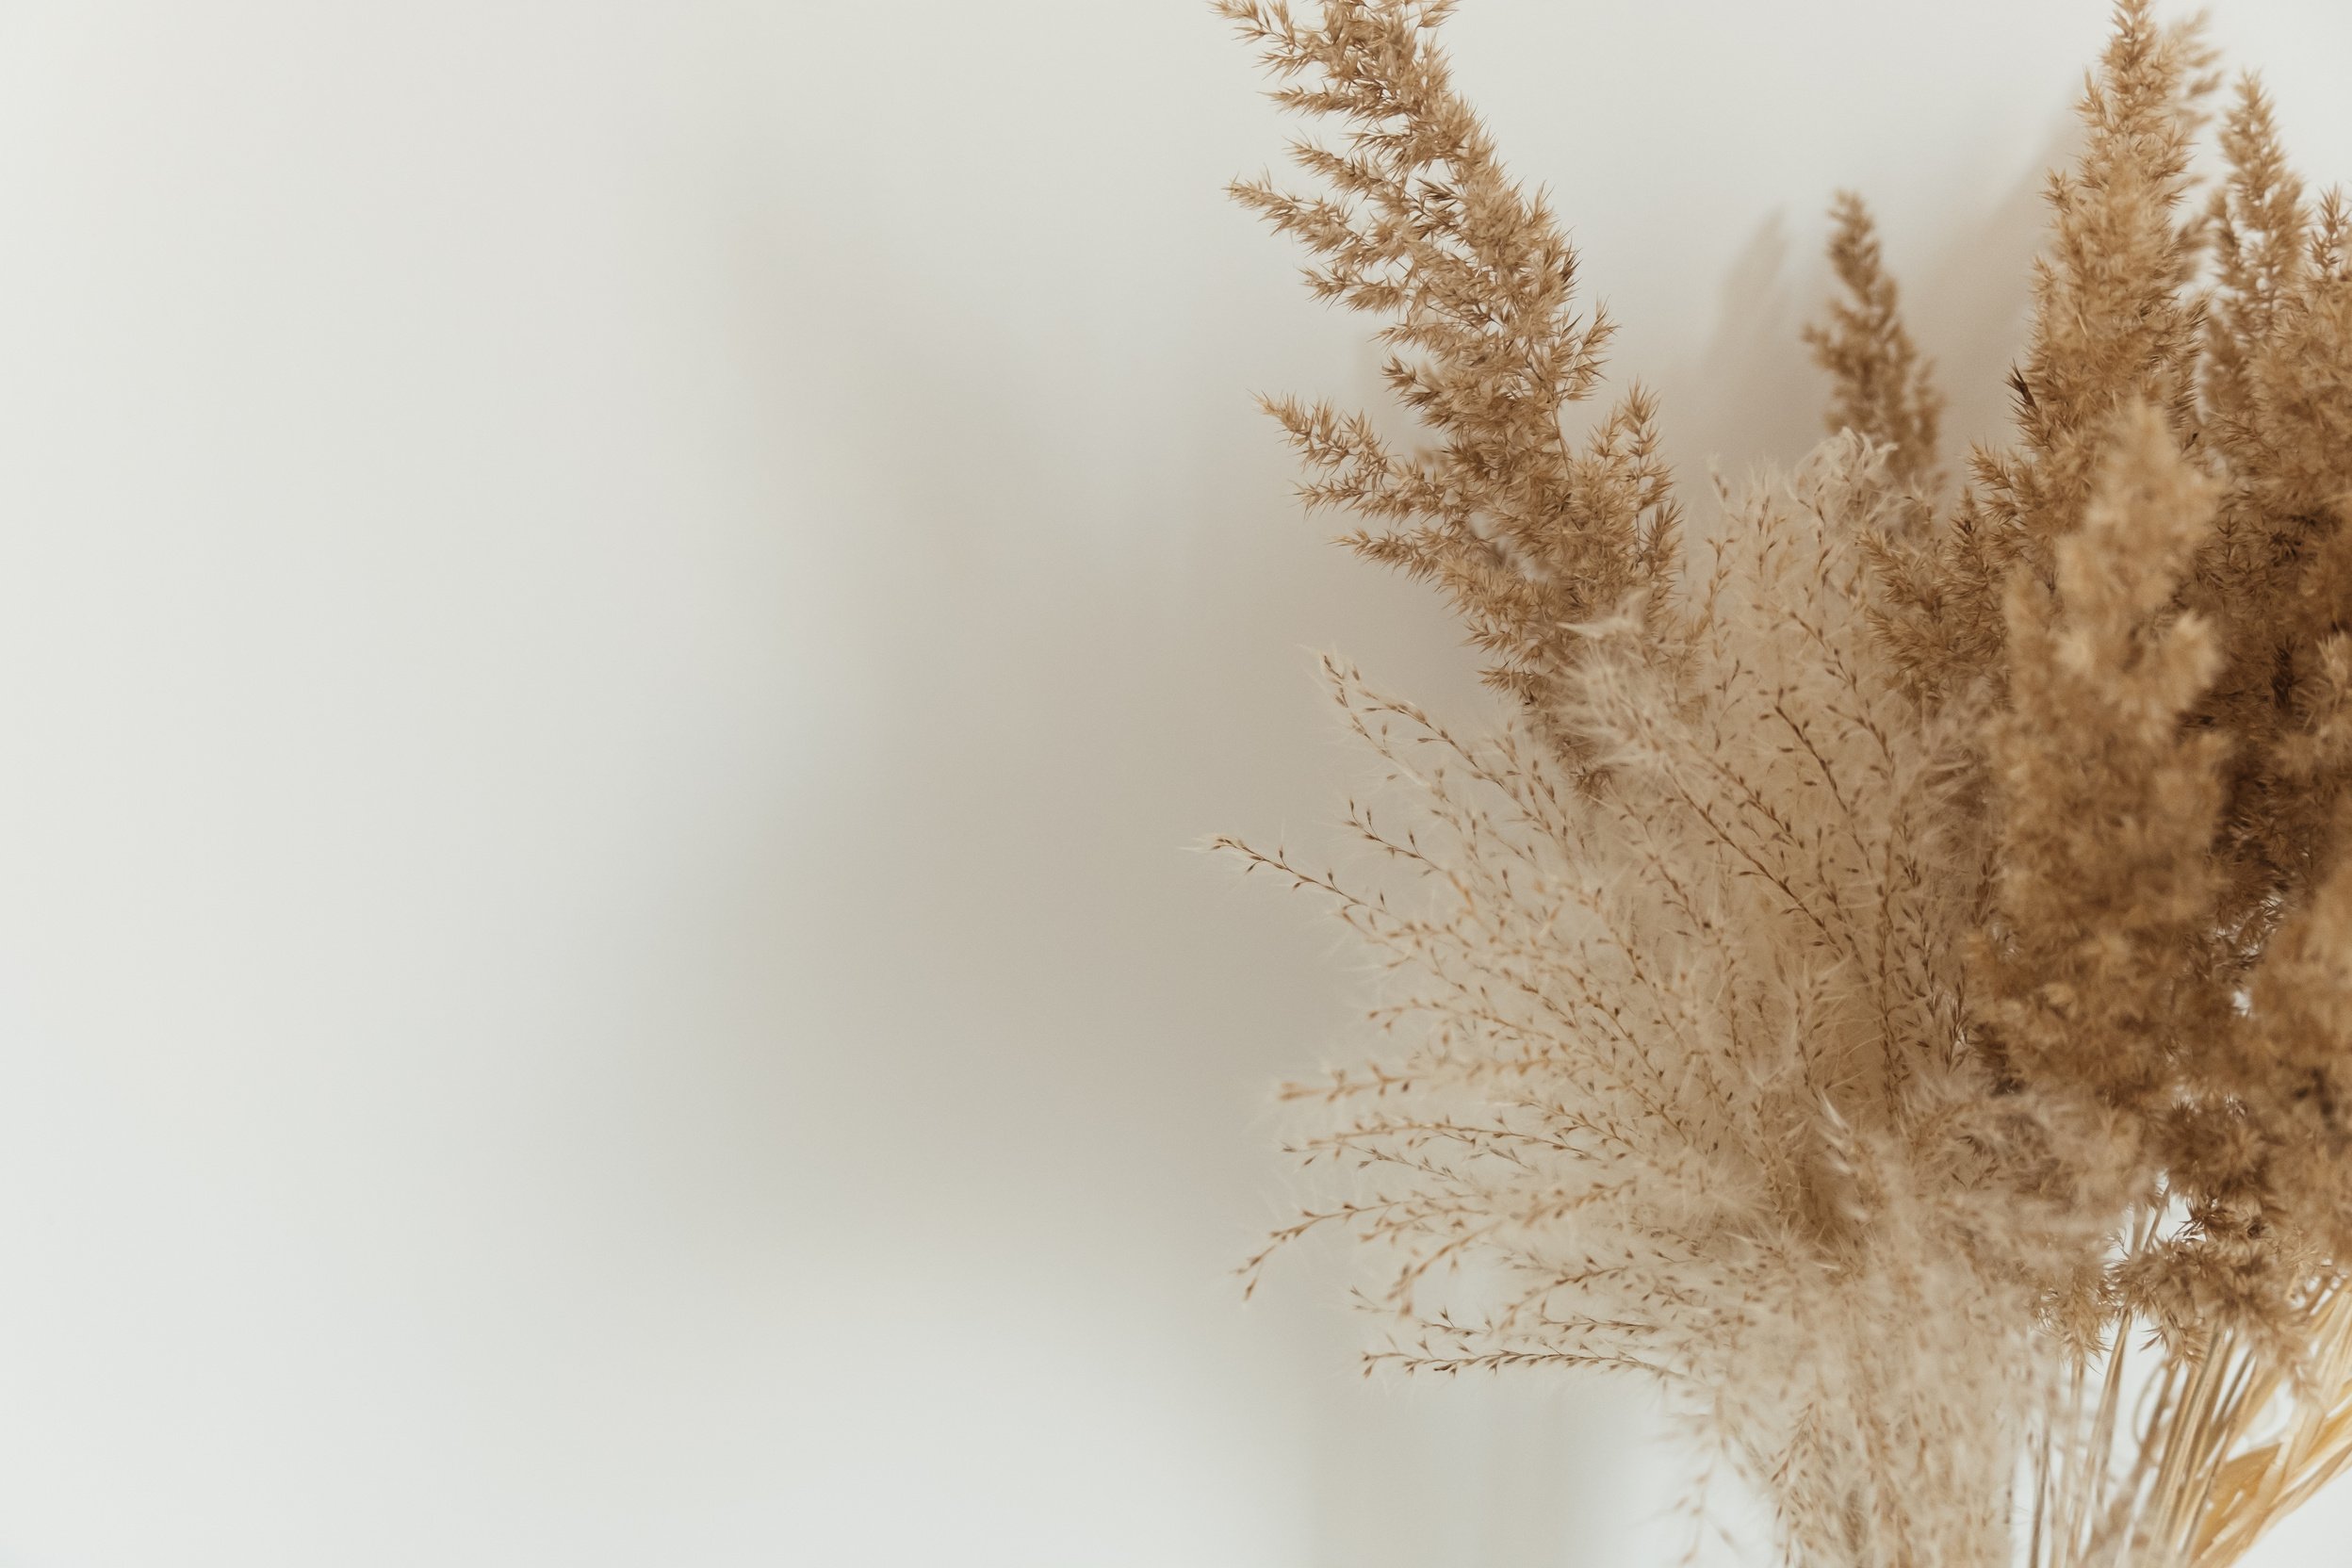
[1889, 981]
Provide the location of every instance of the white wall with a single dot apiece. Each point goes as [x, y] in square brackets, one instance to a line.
[615, 622]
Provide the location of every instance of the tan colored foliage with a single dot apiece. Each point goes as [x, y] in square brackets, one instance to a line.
[1883, 391]
[1915, 939]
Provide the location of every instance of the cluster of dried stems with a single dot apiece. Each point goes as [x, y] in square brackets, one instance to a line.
[1892, 980]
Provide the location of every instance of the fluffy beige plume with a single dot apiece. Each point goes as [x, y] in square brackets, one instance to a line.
[1684, 1091]
[1884, 389]
[1526, 531]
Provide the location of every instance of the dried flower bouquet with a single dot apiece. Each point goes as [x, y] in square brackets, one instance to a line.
[1914, 936]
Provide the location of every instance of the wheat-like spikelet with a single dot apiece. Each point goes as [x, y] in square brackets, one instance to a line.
[1894, 985]
[1884, 389]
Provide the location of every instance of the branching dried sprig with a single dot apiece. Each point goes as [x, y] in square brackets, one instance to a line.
[1885, 390]
[2111, 326]
[1921, 943]
[1529, 533]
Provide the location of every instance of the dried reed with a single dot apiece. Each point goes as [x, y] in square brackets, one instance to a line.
[1914, 940]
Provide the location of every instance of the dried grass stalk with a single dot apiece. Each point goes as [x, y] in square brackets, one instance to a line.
[1889, 981]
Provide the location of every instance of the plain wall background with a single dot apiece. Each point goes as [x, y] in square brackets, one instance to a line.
[616, 626]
